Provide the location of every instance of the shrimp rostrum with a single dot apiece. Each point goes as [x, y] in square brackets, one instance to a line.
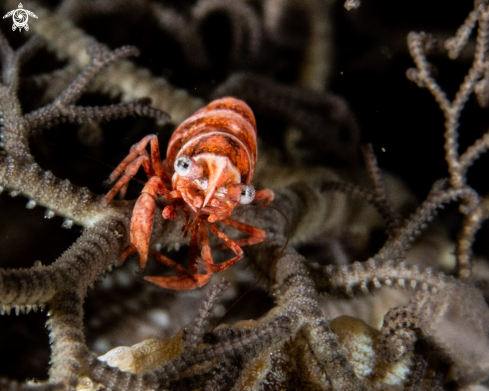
[209, 166]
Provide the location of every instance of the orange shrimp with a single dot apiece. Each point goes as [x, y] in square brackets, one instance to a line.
[209, 166]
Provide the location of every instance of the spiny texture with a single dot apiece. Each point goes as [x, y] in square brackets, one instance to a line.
[340, 226]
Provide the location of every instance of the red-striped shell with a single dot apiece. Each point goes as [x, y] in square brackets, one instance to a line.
[225, 127]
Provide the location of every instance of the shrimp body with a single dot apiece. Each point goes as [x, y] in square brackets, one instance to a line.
[217, 149]
[209, 166]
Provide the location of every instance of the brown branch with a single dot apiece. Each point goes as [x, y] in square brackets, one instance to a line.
[124, 78]
[92, 254]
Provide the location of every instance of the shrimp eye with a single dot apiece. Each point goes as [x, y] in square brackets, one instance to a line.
[183, 165]
[247, 194]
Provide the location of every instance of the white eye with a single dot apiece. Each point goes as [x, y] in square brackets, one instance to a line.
[183, 165]
[247, 194]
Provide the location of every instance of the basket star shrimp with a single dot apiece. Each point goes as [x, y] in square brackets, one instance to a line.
[209, 165]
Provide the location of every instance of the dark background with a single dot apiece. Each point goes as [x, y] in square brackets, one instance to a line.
[368, 65]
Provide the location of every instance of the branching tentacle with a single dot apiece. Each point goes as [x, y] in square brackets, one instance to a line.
[193, 335]
[124, 77]
[93, 253]
[66, 334]
[50, 116]
[77, 204]
[364, 277]
[115, 379]
[417, 222]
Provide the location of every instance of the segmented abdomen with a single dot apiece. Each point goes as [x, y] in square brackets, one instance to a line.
[225, 127]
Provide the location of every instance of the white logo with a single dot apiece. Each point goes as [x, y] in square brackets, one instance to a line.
[20, 17]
